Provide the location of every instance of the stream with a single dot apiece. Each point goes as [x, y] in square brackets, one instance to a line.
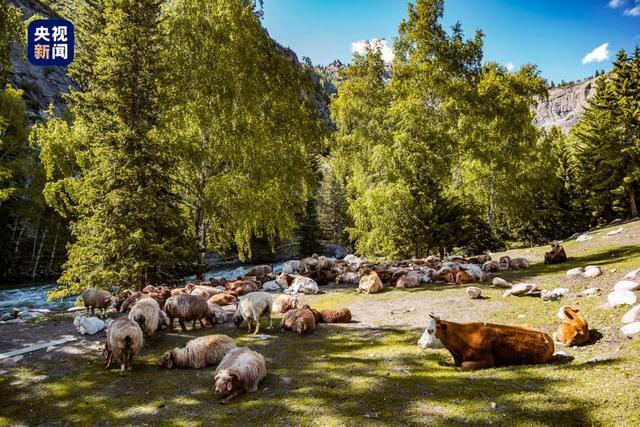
[32, 295]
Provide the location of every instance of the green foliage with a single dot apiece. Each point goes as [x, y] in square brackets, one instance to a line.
[11, 30]
[608, 137]
[14, 149]
[332, 205]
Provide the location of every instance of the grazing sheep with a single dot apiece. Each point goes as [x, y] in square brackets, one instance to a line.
[573, 330]
[341, 315]
[370, 283]
[146, 313]
[299, 320]
[298, 284]
[124, 340]
[241, 287]
[409, 280]
[130, 301]
[224, 298]
[259, 270]
[161, 296]
[188, 308]
[254, 306]
[239, 372]
[198, 352]
[284, 303]
[219, 315]
[95, 298]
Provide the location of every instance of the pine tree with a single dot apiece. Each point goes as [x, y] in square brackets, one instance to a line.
[129, 229]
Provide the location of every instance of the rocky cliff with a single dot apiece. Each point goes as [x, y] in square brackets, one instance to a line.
[565, 105]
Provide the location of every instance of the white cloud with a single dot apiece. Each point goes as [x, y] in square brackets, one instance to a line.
[634, 11]
[509, 66]
[616, 3]
[598, 54]
[381, 44]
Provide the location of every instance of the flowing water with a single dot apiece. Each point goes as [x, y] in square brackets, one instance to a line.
[33, 295]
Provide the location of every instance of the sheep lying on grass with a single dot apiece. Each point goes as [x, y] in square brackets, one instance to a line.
[124, 340]
[253, 307]
[239, 372]
[301, 321]
[224, 298]
[198, 352]
[88, 325]
[341, 315]
[146, 313]
[95, 298]
[189, 308]
[284, 303]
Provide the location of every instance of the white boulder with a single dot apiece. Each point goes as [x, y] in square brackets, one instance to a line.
[563, 292]
[616, 231]
[618, 298]
[520, 289]
[474, 292]
[583, 238]
[631, 330]
[632, 315]
[590, 291]
[633, 275]
[499, 282]
[592, 271]
[626, 285]
[549, 296]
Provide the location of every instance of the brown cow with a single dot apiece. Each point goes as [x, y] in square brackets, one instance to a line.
[485, 345]
[573, 330]
[557, 254]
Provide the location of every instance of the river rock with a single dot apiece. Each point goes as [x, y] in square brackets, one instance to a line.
[592, 271]
[590, 291]
[563, 292]
[270, 286]
[583, 238]
[631, 330]
[474, 292]
[575, 273]
[7, 316]
[633, 275]
[335, 250]
[74, 309]
[618, 298]
[520, 289]
[499, 282]
[353, 260]
[626, 285]
[29, 315]
[632, 315]
[549, 296]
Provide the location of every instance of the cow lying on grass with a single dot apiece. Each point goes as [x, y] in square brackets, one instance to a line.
[485, 345]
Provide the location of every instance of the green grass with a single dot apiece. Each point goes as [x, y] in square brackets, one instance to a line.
[369, 375]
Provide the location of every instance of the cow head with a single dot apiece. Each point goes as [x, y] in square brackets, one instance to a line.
[428, 338]
[567, 313]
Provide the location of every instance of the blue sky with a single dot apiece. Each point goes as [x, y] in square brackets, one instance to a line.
[556, 35]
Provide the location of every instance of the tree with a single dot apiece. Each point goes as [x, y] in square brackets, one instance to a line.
[11, 29]
[240, 116]
[128, 228]
[609, 137]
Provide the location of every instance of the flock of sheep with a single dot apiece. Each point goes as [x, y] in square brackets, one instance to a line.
[240, 369]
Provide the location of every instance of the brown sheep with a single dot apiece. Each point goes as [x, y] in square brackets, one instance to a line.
[491, 267]
[409, 280]
[557, 254]
[124, 340]
[146, 313]
[224, 298]
[370, 283]
[259, 270]
[95, 298]
[239, 372]
[241, 287]
[205, 292]
[341, 315]
[483, 258]
[130, 301]
[284, 303]
[464, 277]
[300, 320]
[198, 352]
[188, 308]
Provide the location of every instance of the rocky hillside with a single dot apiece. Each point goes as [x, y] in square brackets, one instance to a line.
[565, 105]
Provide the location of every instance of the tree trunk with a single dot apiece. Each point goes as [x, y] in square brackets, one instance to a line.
[37, 261]
[35, 240]
[632, 204]
[15, 250]
[53, 249]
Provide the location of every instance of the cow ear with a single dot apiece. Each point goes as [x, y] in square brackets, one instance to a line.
[433, 316]
[576, 309]
[568, 313]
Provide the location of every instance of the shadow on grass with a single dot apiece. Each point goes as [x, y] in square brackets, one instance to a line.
[333, 376]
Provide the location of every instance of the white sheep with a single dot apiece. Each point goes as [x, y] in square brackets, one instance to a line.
[254, 306]
[88, 325]
[284, 303]
[198, 352]
[124, 340]
[297, 284]
[239, 372]
[146, 313]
